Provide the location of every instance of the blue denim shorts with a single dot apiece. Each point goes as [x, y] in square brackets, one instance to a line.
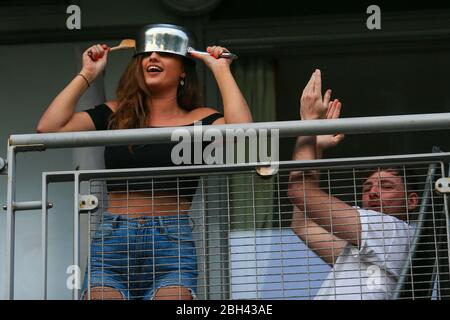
[138, 256]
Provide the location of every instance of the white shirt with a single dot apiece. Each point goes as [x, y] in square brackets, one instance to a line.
[370, 272]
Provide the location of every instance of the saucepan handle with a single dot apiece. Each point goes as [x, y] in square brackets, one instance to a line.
[226, 55]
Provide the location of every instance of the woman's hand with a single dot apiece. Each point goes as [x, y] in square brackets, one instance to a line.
[329, 141]
[213, 60]
[312, 106]
[94, 61]
[235, 107]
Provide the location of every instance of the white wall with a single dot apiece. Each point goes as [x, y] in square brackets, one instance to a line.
[30, 76]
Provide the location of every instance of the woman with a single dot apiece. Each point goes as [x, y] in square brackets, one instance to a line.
[144, 247]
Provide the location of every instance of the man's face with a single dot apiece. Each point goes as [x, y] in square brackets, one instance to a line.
[384, 191]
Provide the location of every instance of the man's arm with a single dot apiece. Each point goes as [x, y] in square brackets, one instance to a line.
[318, 239]
[332, 214]
[335, 216]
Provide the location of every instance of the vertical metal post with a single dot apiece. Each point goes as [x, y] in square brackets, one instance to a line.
[256, 271]
[10, 223]
[44, 223]
[228, 281]
[444, 274]
[76, 235]
[205, 231]
[447, 229]
[88, 263]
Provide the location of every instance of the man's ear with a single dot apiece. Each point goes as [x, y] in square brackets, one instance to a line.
[183, 75]
[413, 201]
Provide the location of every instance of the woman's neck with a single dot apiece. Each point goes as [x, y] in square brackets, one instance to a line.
[163, 106]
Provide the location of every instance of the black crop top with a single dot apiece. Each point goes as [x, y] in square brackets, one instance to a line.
[143, 156]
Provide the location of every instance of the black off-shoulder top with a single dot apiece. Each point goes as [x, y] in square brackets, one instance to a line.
[143, 156]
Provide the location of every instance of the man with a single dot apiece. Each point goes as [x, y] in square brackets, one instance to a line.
[366, 247]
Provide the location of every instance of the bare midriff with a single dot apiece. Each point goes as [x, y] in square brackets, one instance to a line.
[147, 204]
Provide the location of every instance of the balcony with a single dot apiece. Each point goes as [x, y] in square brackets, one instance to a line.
[243, 229]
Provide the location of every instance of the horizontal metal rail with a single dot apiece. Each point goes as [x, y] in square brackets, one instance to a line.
[28, 205]
[401, 123]
[204, 170]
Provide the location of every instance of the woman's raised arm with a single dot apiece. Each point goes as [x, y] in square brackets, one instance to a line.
[60, 115]
[235, 106]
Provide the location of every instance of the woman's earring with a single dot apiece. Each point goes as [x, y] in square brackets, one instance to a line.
[182, 82]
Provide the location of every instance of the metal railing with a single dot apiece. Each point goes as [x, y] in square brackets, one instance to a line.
[217, 239]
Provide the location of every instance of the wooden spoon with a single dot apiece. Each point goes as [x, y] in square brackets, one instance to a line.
[124, 44]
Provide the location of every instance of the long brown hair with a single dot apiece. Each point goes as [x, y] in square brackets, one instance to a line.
[132, 92]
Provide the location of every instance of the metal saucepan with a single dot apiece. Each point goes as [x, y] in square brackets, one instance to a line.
[169, 38]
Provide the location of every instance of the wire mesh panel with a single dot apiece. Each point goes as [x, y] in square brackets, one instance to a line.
[335, 232]
[152, 234]
[373, 226]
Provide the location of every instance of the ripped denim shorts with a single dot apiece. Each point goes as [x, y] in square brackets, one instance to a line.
[138, 256]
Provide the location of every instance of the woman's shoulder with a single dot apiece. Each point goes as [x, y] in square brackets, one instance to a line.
[112, 104]
[202, 113]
